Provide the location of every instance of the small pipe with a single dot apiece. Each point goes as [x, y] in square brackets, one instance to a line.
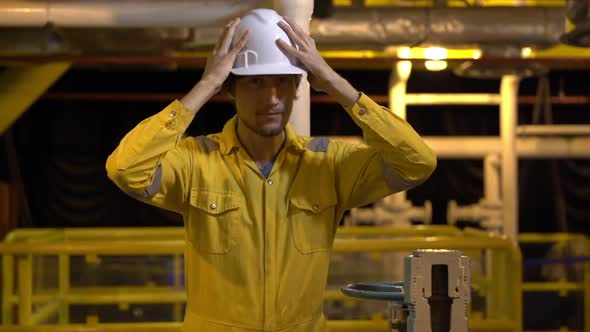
[553, 130]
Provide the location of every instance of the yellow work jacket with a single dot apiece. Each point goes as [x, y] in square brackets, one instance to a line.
[258, 249]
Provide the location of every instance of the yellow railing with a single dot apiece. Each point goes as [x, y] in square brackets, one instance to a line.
[562, 286]
[502, 286]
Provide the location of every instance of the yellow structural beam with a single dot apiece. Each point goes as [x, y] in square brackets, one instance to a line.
[21, 86]
[333, 325]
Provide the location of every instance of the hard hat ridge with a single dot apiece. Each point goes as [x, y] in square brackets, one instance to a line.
[262, 55]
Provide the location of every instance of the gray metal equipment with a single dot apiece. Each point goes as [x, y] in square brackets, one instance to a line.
[433, 296]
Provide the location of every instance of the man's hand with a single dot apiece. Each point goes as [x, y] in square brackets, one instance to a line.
[223, 56]
[320, 75]
[319, 71]
[218, 67]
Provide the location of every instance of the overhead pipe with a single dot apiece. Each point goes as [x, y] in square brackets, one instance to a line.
[374, 27]
[380, 27]
[124, 14]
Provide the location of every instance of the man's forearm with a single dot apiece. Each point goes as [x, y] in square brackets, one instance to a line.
[341, 90]
[199, 95]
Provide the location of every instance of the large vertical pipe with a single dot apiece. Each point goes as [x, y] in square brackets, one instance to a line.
[300, 11]
[508, 116]
[398, 81]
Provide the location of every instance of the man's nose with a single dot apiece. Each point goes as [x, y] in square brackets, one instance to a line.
[270, 94]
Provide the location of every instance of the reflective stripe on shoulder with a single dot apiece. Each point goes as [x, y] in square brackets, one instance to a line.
[319, 144]
[208, 144]
[153, 188]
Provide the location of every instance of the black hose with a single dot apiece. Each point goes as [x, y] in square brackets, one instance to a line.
[440, 302]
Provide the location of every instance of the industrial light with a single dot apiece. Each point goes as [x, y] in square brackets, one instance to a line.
[435, 53]
[435, 65]
[526, 52]
[404, 52]
[476, 54]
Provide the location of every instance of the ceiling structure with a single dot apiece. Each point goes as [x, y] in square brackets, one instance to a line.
[174, 33]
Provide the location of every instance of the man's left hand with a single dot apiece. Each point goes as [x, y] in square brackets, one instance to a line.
[320, 75]
[319, 72]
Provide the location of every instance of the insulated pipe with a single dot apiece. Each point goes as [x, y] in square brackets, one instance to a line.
[352, 27]
[386, 26]
[301, 12]
[508, 119]
[119, 14]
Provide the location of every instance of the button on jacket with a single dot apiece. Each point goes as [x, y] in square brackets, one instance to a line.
[258, 248]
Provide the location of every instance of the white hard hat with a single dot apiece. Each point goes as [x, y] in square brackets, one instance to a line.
[262, 55]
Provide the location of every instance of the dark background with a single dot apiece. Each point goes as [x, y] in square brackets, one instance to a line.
[62, 145]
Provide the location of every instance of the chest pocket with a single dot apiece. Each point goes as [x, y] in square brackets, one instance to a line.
[214, 220]
[312, 209]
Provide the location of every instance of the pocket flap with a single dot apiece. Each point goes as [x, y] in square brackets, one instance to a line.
[215, 202]
[315, 201]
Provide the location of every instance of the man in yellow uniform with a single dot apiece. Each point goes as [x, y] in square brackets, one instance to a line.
[261, 204]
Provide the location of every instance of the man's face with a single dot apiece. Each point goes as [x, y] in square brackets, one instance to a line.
[264, 102]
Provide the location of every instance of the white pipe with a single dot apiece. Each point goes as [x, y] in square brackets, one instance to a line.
[300, 11]
[477, 147]
[553, 130]
[452, 99]
[491, 176]
[508, 122]
[398, 81]
[129, 13]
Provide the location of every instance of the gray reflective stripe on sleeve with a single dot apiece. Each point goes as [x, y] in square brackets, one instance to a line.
[395, 182]
[319, 144]
[155, 186]
[208, 144]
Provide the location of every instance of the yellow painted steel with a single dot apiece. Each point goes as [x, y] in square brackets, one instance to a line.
[550, 237]
[64, 287]
[563, 287]
[7, 288]
[21, 86]
[170, 241]
[177, 311]
[25, 289]
[587, 297]
[333, 325]
[45, 312]
[420, 230]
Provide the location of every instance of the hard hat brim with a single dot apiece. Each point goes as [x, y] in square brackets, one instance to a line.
[268, 69]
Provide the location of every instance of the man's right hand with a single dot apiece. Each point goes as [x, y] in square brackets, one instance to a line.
[222, 58]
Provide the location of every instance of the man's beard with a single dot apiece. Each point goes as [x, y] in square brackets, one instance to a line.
[264, 132]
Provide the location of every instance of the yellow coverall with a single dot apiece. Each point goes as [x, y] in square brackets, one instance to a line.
[258, 249]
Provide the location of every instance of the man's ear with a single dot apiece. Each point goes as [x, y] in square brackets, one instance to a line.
[228, 87]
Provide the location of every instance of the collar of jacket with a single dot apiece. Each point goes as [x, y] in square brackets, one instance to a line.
[229, 137]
